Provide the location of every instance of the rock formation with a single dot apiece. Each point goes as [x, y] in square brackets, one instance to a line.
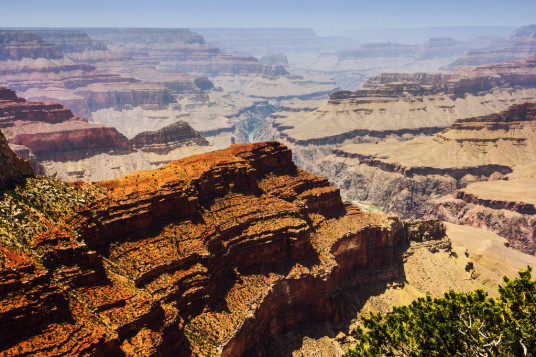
[217, 254]
[168, 138]
[520, 44]
[49, 130]
[420, 103]
[177, 50]
[39, 70]
[59, 144]
[13, 168]
[16, 45]
[477, 172]
[394, 107]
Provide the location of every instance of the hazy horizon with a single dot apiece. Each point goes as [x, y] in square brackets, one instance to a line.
[333, 18]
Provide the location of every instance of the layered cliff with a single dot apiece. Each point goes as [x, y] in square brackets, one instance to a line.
[59, 144]
[477, 172]
[176, 50]
[50, 130]
[520, 44]
[187, 259]
[216, 254]
[419, 103]
[39, 70]
[16, 45]
[168, 138]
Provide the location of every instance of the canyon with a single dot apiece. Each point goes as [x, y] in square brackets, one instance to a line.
[135, 220]
[59, 144]
[368, 143]
[519, 45]
[227, 253]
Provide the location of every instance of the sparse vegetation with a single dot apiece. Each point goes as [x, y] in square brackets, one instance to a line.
[27, 209]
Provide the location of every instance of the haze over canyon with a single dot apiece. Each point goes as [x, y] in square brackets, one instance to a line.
[212, 190]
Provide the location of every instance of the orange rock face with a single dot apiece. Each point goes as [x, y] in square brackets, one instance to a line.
[209, 255]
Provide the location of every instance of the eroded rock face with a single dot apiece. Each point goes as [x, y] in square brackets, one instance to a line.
[40, 71]
[13, 168]
[172, 136]
[520, 44]
[477, 172]
[16, 45]
[421, 103]
[177, 50]
[212, 254]
[51, 130]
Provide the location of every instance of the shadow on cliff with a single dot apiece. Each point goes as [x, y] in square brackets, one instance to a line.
[328, 308]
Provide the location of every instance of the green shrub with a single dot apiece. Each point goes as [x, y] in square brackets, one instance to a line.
[458, 324]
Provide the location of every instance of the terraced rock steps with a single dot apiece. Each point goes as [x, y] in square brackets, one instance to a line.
[201, 257]
[478, 172]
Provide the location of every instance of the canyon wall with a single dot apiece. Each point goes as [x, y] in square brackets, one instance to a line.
[189, 259]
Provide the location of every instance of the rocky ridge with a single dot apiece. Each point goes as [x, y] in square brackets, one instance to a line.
[38, 74]
[519, 45]
[475, 173]
[188, 259]
[54, 140]
[218, 254]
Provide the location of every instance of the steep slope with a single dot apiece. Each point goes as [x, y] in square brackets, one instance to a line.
[39, 70]
[477, 172]
[13, 168]
[217, 254]
[48, 130]
[64, 146]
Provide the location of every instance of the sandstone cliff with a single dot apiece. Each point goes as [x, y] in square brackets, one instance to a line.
[167, 138]
[50, 130]
[40, 71]
[477, 172]
[217, 254]
[188, 259]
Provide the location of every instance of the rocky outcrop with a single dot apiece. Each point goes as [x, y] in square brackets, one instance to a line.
[212, 254]
[13, 168]
[168, 138]
[50, 130]
[16, 45]
[475, 173]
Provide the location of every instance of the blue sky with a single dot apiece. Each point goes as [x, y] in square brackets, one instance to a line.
[328, 16]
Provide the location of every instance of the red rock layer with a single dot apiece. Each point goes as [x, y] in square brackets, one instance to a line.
[80, 86]
[168, 138]
[49, 129]
[153, 264]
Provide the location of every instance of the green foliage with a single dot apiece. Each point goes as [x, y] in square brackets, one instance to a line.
[459, 324]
